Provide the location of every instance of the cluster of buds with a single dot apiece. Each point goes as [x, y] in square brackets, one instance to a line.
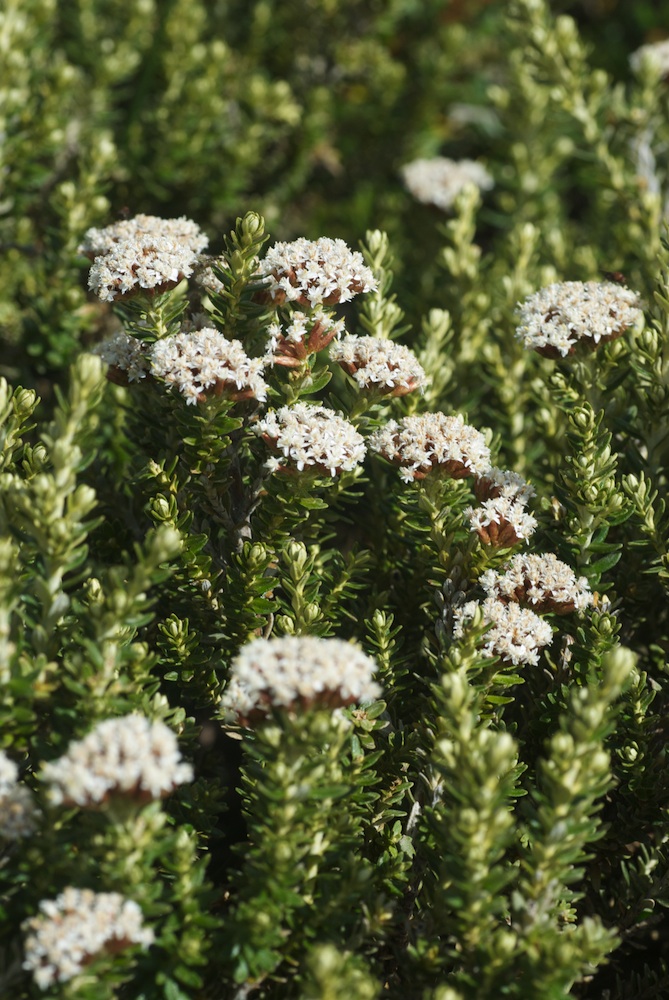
[502, 519]
[306, 334]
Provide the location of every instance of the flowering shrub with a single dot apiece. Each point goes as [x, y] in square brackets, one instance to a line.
[332, 600]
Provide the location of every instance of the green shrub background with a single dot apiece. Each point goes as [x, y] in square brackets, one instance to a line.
[492, 835]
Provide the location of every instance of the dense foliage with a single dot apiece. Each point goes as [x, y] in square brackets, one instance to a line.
[491, 817]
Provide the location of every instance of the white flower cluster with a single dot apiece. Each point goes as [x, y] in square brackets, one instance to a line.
[306, 334]
[311, 436]
[656, 54]
[181, 231]
[142, 262]
[429, 441]
[439, 181]
[18, 812]
[206, 278]
[204, 362]
[502, 518]
[315, 272]
[543, 581]
[124, 355]
[503, 483]
[72, 929]
[9, 772]
[556, 318]
[297, 672]
[501, 521]
[516, 634]
[129, 756]
[381, 365]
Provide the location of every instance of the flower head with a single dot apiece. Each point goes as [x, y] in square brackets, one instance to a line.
[429, 441]
[181, 231]
[206, 278]
[540, 580]
[204, 363]
[439, 181]
[18, 812]
[130, 757]
[655, 54]
[125, 356]
[74, 928]
[501, 521]
[315, 272]
[9, 772]
[307, 333]
[503, 483]
[309, 436]
[557, 318]
[296, 673]
[516, 634]
[379, 365]
[150, 262]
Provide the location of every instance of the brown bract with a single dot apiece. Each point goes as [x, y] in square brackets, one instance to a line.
[292, 353]
[502, 535]
[327, 700]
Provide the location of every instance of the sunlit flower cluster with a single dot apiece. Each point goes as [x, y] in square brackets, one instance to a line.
[502, 518]
[205, 276]
[181, 231]
[307, 333]
[18, 812]
[126, 357]
[315, 272]
[655, 54]
[379, 365]
[516, 634]
[297, 672]
[310, 436]
[501, 521]
[429, 441]
[557, 318]
[543, 581]
[143, 262]
[130, 756]
[439, 181]
[503, 483]
[204, 363]
[74, 928]
[9, 772]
